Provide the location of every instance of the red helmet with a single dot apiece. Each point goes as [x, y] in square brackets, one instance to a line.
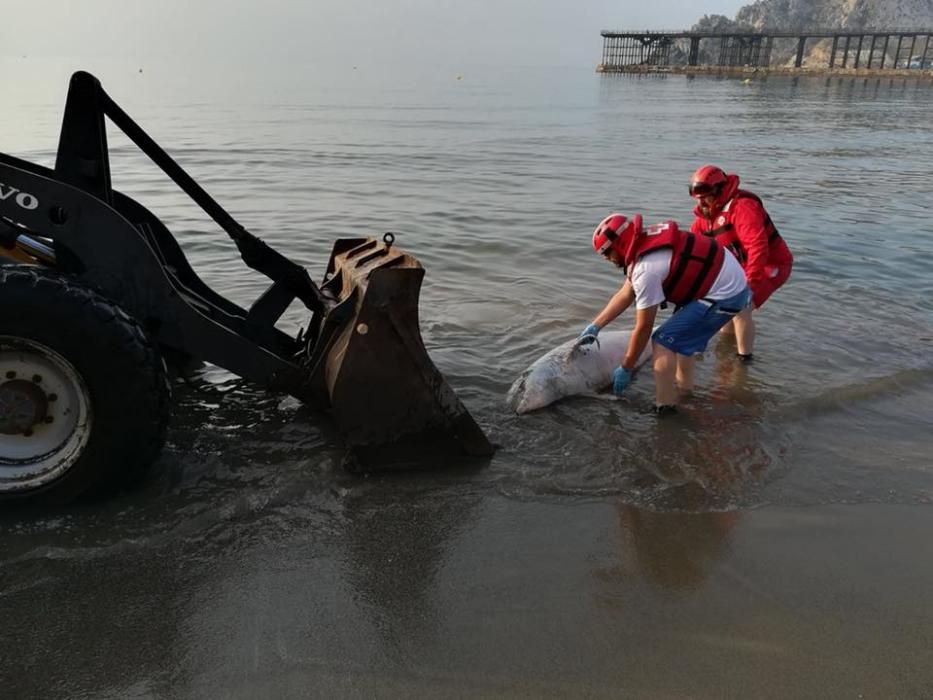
[617, 232]
[708, 179]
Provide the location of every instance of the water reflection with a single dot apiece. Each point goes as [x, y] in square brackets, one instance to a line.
[669, 551]
[674, 551]
[683, 502]
[398, 535]
[732, 380]
[710, 457]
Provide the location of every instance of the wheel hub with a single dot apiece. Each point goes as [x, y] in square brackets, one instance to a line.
[45, 414]
[23, 405]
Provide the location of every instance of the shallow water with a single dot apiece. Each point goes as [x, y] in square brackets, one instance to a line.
[249, 530]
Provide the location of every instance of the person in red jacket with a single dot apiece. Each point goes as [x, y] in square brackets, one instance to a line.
[737, 219]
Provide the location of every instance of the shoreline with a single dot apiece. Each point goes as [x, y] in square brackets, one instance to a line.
[520, 599]
[925, 74]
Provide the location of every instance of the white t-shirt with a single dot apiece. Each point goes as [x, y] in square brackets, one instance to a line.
[649, 272]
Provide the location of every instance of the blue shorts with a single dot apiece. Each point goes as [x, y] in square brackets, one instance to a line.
[690, 328]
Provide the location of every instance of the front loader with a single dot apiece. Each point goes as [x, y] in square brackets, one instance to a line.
[96, 295]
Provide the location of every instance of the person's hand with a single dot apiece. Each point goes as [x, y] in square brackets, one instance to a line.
[589, 334]
[620, 379]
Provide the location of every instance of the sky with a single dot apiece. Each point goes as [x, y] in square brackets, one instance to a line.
[328, 32]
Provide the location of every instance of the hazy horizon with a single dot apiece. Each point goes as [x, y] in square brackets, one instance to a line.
[338, 32]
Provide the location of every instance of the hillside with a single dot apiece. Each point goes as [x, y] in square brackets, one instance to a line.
[821, 14]
[844, 14]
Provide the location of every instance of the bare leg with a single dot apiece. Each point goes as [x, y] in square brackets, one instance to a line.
[665, 366]
[727, 329]
[744, 332]
[684, 378]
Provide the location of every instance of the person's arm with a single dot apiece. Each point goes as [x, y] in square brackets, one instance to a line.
[749, 222]
[619, 302]
[644, 322]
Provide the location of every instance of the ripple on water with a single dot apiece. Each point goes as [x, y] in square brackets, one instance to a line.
[497, 193]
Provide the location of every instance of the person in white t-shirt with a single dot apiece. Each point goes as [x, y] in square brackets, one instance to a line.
[664, 264]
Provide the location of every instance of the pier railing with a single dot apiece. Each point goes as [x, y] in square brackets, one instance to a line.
[864, 50]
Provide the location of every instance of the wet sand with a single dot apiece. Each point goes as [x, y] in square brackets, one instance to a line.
[452, 594]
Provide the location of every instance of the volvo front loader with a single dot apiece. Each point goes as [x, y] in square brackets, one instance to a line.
[96, 295]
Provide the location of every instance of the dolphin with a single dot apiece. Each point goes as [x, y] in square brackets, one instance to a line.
[570, 369]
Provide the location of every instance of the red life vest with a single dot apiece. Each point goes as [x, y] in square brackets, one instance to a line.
[726, 236]
[695, 260]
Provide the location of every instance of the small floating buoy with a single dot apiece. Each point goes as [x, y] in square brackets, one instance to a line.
[747, 81]
[459, 77]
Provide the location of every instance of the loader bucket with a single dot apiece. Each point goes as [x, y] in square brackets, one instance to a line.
[392, 405]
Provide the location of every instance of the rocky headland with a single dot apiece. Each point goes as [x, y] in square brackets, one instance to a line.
[804, 15]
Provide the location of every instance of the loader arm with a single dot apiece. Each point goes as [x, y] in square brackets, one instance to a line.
[83, 161]
[361, 355]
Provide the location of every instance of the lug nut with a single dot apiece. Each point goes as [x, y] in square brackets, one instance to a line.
[36, 378]
[28, 433]
[49, 419]
[11, 374]
[52, 397]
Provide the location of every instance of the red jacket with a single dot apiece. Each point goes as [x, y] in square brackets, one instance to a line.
[741, 223]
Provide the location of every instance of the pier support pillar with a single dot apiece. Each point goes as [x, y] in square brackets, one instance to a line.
[694, 57]
[832, 54]
[769, 44]
[801, 43]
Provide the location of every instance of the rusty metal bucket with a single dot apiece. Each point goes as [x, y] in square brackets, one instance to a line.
[391, 404]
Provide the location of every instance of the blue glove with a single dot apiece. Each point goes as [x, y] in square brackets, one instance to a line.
[589, 334]
[620, 379]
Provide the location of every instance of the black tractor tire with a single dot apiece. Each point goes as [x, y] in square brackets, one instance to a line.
[84, 393]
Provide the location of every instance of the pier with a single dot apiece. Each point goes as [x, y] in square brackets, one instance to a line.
[895, 51]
